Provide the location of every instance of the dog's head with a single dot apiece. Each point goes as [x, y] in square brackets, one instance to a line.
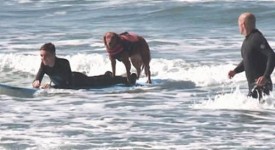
[112, 43]
[111, 40]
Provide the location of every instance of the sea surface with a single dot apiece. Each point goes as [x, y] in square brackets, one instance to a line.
[191, 104]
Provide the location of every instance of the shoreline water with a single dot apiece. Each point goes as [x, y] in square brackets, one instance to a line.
[190, 105]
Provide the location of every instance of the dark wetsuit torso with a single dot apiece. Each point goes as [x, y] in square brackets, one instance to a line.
[258, 59]
[62, 76]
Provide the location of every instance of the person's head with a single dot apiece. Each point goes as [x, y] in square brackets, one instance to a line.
[246, 22]
[47, 53]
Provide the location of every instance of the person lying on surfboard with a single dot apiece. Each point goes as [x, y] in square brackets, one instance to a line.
[59, 71]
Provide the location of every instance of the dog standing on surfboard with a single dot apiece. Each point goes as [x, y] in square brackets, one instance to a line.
[126, 47]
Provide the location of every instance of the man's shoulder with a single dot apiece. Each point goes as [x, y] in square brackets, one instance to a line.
[257, 36]
[61, 60]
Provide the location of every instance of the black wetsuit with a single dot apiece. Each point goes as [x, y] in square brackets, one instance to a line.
[258, 60]
[62, 76]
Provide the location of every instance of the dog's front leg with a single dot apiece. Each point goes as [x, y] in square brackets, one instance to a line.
[113, 62]
[127, 64]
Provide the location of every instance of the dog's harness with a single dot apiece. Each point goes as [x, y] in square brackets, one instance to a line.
[127, 40]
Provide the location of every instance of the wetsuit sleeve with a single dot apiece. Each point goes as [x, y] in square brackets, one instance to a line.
[240, 67]
[270, 63]
[40, 73]
[266, 50]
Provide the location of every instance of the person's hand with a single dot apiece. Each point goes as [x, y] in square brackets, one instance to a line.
[261, 81]
[36, 84]
[231, 74]
[46, 86]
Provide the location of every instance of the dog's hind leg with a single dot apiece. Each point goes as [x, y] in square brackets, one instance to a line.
[146, 58]
[137, 63]
[138, 71]
[147, 73]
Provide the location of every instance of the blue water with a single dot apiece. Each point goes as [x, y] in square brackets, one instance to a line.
[190, 105]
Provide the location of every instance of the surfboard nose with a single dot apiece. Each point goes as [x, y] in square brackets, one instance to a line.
[16, 91]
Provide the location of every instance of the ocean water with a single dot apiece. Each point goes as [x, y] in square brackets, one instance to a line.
[190, 105]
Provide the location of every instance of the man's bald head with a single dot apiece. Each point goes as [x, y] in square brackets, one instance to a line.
[247, 22]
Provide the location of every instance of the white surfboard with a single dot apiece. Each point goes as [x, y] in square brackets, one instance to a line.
[16, 91]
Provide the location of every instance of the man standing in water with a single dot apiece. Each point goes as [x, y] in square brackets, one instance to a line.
[59, 71]
[258, 58]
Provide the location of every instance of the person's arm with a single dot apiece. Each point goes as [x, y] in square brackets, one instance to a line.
[266, 50]
[39, 76]
[270, 61]
[239, 68]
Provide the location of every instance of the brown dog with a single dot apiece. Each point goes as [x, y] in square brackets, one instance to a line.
[127, 46]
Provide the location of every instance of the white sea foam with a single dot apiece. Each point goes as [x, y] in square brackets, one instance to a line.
[74, 42]
[24, 63]
[236, 100]
[61, 13]
[24, 1]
